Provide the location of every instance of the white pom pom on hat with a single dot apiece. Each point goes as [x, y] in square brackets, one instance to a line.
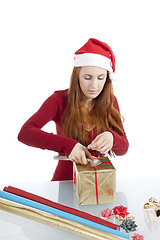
[96, 53]
[113, 76]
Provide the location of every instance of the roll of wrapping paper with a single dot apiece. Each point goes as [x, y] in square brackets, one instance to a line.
[47, 202]
[60, 213]
[55, 221]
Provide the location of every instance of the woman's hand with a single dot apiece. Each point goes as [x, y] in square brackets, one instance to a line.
[80, 154]
[103, 143]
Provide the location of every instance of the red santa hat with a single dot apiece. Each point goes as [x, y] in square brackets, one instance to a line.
[95, 53]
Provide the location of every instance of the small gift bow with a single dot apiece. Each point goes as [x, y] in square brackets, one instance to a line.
[137, 237]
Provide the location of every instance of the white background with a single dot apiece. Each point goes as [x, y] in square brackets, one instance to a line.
[37, 44]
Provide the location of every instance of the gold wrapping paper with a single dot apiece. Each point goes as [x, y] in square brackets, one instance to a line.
[85, 183]
[55, 221]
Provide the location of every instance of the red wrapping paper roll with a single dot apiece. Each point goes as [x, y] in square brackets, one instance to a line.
[50, 203]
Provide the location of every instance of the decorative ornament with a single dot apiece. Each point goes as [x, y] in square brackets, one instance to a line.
[151, 212]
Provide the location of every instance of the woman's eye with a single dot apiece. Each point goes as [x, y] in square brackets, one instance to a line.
[87, 78]
[100, 78]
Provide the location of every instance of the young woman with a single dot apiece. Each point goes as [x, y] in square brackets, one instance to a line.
[87, 116]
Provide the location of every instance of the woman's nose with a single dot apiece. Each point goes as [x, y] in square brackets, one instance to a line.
[94, 83]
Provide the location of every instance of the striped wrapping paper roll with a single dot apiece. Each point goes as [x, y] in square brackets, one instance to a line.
[60, 213]
[49, 203]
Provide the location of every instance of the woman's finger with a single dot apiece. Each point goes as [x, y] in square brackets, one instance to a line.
[94, 141]
[98, 143]
[104, 150]
[84, 160]
[101, 149]
[79, 160]
[74, 160]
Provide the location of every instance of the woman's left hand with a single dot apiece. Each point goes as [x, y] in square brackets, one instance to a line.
[103, 143]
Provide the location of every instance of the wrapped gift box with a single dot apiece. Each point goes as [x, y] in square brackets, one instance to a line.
[95, 185]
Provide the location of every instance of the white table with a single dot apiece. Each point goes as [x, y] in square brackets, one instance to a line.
[130, 192]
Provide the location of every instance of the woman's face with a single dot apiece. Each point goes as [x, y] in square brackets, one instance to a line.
[92, 80]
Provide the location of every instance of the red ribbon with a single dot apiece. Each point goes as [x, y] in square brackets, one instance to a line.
[74, 179]
[95, 171]
[96, 182]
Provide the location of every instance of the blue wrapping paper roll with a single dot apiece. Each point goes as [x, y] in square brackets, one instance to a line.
[57, 212]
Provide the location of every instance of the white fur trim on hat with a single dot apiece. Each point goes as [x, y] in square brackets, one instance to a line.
[92, 59]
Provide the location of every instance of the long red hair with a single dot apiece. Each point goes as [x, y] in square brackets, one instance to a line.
[103, 115]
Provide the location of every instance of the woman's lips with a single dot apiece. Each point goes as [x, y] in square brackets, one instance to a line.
[93, 91]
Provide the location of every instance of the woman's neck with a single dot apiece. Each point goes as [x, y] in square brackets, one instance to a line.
[89, 104]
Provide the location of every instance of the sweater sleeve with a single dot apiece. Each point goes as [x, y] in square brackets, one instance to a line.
[120, 143]
[31, 133]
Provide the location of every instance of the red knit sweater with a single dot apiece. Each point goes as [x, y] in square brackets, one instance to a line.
[51, 110]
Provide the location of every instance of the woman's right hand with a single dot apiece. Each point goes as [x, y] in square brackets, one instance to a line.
[79, 154]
